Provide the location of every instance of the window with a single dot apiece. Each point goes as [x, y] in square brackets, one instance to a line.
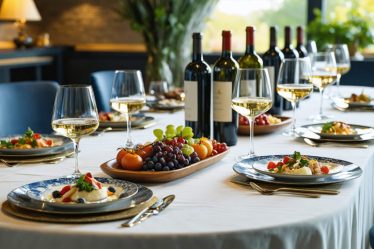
[235, 15]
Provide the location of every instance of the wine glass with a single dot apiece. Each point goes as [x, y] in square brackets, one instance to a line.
[75, 115]
[128, 97]
[293, 84]
[251, 97]
[343, 63]
[324, 73]
[158, 88]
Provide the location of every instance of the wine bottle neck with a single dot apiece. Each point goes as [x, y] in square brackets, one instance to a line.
[287, 37]
[273, 37]
[226, 44]
[250, 38]
[196, 49]
[300, 36]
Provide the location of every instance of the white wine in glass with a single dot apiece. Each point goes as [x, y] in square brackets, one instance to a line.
[251, 97]
[294, 85]
[75, 115]
[324, 74]
[128, 97]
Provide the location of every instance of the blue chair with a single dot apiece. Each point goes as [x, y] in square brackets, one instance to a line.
[102, 86]
[26, 104]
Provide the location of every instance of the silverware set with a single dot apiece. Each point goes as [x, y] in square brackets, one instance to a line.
[304, 192]
[150, 211]
[346, 145]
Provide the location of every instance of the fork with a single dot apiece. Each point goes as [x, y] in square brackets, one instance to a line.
[312, 193]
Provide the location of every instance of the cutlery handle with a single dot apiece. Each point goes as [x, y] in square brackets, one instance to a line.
[313, 191]
[136, 219]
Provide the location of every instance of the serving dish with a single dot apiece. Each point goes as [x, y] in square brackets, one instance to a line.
[111, 168]
[350, 171]
[359, 130]
[61, 144]
[136, 120]
[343, 105]
[307, 133]
[265, 129]
[30, 196]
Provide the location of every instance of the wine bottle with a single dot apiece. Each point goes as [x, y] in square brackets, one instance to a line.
[225, 123]
[289, 52]
[197, 89]
[250, 59]
[272, 60]
[300, 42]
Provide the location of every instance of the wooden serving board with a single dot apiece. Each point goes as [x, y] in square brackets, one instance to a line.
[265, 129]
[111, 168]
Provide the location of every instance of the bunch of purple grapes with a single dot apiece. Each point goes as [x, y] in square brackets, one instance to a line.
[168, 156]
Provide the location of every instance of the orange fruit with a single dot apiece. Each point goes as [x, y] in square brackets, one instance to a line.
[121, 154]
[208, 144]
[201, 150]
[131, 161]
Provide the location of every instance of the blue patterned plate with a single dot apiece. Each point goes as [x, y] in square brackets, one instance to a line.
[350, 171]
[32, 196]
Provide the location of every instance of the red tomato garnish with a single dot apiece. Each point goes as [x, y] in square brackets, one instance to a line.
[325, 169]
[67, 199]
[89, 174]
[271, 165]
[49, 142]
[37, 136]
[65, 189]
[286, 159]
[87, 179]
[14, 141]
[280, 164]
[99, 185]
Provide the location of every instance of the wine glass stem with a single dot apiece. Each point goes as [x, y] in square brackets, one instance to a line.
[251, 145]
[129, 142]
[321, 103]
[76, 152]
[338, 77]
[293, 127]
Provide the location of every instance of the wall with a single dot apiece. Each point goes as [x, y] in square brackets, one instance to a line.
[71, 22]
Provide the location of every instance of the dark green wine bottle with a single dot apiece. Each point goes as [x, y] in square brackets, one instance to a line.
[225, 123]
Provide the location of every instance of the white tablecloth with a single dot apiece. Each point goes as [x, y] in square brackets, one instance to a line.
[209, 210]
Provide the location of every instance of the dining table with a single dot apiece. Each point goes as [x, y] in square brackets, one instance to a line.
[209, 210]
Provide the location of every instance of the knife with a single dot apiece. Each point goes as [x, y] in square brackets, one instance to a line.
[155, 209]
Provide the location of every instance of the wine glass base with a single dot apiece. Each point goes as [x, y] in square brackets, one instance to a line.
[319, 117]
[243, 157]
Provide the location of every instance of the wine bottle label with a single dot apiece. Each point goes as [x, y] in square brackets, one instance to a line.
[191, 100]
[222, 91]
[271, 71]
[248, 88]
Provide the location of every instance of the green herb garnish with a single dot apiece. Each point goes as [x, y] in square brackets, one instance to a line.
[303, 162]
[327, 126]
[297, 155]
[82, 185]
[29, 132]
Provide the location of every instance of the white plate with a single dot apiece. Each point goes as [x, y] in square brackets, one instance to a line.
[61, 144]
[359, 129]
[261, 167]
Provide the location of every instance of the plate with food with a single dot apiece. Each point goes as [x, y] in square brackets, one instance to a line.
[168, 101]
[32, 144]
[118, 120]
[86, 194]
[298, 167]
[265, 123]
[359, 100]
[174, 154]
[348, 172]
[340, 130]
